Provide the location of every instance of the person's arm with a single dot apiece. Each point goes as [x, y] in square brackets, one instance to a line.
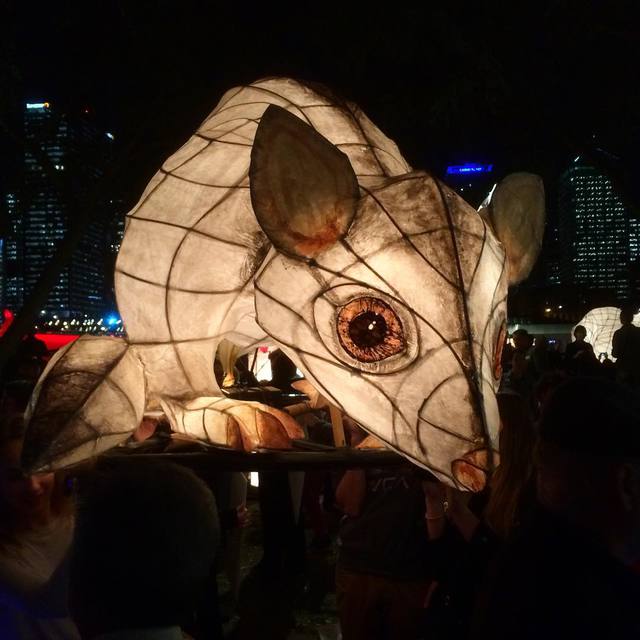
[434, 497]
[443, 541]
[351, 491]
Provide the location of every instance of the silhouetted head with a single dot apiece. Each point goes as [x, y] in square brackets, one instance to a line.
[588, 461]
[144, 548]
[522, 340]
[626, 316]
[579, 333]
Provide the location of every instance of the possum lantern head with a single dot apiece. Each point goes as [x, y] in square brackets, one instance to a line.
[392, 299]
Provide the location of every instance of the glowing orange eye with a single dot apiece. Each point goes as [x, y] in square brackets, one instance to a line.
[369, 330]
[497, 356]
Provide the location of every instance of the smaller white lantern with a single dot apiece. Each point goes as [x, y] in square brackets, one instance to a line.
[601, 323]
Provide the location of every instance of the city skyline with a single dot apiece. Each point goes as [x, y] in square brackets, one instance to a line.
[512, 87]
[63, 155]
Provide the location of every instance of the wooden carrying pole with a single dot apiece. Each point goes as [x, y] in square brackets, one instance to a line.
[337, 426]
[318, 401]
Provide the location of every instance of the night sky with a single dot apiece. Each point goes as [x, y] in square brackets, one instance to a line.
[525, 87]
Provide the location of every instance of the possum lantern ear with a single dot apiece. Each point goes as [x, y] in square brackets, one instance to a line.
[303, 189]
[515, 211]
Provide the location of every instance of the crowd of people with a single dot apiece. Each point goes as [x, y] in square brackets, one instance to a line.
[551, 547]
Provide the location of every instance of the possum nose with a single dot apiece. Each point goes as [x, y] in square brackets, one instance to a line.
[473, 469]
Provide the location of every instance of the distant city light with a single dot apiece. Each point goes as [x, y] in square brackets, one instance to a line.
[37, 105]
[110, 135]
[469, 168]
[112, 320]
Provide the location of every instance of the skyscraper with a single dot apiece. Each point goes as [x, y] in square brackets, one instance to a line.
[595, 232]
[40, 212]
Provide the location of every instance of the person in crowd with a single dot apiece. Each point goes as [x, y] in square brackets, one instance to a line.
[143, 553]
[572, 572]
[28, 360]
[230, 491]
[607, 367]
[541, 357]
[544, 389]
[511, 488]
[626, 348]
[382, 574]
[283, 370]
[32, 347]
[520, 379]
[465, 530]
[243, 373]
[268, 592]
[318, 427]
[506, 356]
[579, 358]
[36, 527]
[522, 341]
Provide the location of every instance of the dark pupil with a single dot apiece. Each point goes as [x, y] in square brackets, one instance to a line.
[368, 329]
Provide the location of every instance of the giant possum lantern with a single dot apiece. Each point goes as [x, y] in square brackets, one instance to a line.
[288, 218]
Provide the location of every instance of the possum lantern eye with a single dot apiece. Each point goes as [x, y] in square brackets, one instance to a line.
[369, 330]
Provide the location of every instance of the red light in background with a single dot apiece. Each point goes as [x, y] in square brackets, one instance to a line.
[53, 340]
[56, 340]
